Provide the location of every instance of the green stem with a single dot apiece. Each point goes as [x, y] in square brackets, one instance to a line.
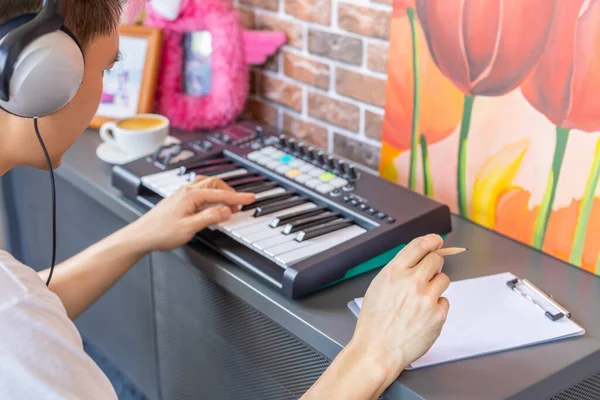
[598, 265]
[541, 224]
[427, 183]
[585, 209]
[416, 100]
[462, 156]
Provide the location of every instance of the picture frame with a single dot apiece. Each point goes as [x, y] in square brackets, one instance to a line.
[130, 87]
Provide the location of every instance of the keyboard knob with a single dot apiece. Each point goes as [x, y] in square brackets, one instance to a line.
[352, 172]
[258, 133]
[292, 145]
[301, 149]
[331, 162]
[282, 141]
[322, 158]
[313, 154]
[340, 167]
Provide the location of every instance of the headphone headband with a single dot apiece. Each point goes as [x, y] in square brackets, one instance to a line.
[49, 19]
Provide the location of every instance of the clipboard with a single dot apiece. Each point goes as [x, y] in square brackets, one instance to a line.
[492, 314]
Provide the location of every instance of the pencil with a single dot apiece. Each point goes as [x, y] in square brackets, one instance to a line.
[450, 251]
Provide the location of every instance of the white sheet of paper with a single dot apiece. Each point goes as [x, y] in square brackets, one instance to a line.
[486, 317]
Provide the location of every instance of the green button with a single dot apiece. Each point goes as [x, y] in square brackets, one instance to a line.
[327, 176]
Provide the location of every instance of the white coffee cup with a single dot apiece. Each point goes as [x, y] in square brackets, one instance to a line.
[137, 136]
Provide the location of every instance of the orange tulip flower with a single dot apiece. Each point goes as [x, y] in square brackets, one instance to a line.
[485, 47]
[563, 86]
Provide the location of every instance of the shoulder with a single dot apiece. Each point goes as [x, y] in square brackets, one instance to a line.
[41, 351]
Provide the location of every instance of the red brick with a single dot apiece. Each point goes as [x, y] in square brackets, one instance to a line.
[360, 87]
[338, 47]
[282, 92]
[305, 131]
[293, 30]
[268, 4]
[365, 21]
[306, 70]
[373, 125]
[377, 56]
[318, 11]
[337, 112]
[247, 16]
[261, 111]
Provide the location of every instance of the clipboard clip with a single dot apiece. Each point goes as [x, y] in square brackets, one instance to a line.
[561, 311]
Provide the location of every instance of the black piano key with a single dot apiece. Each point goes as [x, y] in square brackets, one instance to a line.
[289, 218]
[269, 200]
[305, 223]
[279, 206]
[259, 188]
[236, 177]
[238, 183]
[216, 170]
[204, 164]
[319, 230]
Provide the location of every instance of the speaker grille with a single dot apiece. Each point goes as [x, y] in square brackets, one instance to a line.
[587, 389]
[222, 348]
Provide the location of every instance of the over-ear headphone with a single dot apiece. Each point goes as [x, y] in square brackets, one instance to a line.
[41, 63]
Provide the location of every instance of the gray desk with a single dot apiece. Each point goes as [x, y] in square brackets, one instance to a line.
[189, 324]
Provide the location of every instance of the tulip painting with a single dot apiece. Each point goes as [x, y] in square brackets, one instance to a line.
[486, 48]
[493, 103]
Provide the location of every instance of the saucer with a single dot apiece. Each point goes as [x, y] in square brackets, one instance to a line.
[113, 155]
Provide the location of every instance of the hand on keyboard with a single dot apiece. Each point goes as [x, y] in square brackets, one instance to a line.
[176, 219]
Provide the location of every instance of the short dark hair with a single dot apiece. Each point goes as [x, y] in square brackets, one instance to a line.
[87, 19]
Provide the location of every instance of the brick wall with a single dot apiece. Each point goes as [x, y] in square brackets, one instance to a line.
[327, 84]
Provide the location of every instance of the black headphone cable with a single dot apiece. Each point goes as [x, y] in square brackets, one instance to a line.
[37, 131]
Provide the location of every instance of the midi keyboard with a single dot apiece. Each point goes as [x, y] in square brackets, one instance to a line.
[317, 220]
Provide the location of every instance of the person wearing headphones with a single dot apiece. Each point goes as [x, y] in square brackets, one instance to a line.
[53, 55]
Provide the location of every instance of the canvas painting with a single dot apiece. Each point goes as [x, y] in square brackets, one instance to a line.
[123, 84]
[492, 107]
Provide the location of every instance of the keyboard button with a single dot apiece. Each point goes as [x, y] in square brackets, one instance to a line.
[313, 183]
[293, 173]
[327, 176]
[338, 183]
[324, 188]
[255, 155]
[273, 164]
[306, 168]
[307, 222]
[354, 202]
[348, 188]
[335, 193]
[297, 163]
[319, 230]
[380, 215]
[309, 248]
[282, 169]
[345, 199]
[289, 218]
[316, 172]
[263, 160]
[281, 205]
[303, 178]
[372, 211]
[286, 159]
[363, 207]
[390, 220]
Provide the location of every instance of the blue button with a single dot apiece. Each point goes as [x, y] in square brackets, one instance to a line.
[286, 159]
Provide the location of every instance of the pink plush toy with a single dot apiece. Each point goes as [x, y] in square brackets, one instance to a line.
[233, 49]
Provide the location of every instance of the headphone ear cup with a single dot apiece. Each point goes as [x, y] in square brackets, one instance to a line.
[47, 75]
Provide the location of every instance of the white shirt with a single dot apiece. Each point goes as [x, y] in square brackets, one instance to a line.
[41, 351]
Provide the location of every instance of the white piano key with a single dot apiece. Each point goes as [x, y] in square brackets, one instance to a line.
[230, 174]
[264, 219]
[236, 219]
[261, 234]
[266, 226]
[170, 174]
[275, 241]
[299, 252]
[269, 193]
